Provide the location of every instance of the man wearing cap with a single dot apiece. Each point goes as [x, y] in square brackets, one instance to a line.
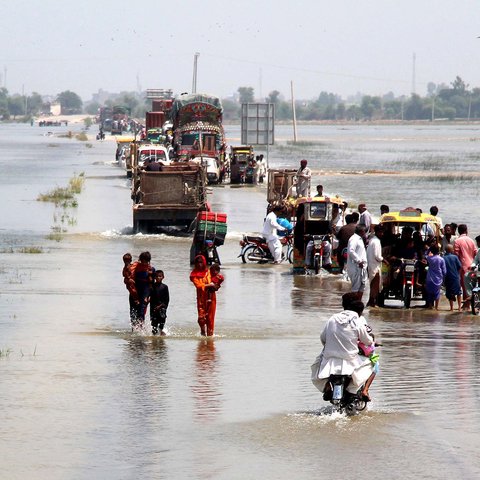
[365, 217]
[304, 175]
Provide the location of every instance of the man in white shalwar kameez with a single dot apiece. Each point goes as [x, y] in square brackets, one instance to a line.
[269, 231]
[357, 261]
[340, 355]
[374, 261]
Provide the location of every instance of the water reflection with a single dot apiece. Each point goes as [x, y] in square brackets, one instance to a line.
[205, 387]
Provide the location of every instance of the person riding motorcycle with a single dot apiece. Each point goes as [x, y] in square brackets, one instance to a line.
[404, 248]
[270, 228]
[340, 354]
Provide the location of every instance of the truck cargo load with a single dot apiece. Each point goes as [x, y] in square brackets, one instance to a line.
[171, 197]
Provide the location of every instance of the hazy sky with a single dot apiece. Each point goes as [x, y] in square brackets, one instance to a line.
[339, 46]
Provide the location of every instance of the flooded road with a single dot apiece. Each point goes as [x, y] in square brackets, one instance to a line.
[81, 397]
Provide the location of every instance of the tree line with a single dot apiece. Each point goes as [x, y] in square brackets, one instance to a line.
[454, 101]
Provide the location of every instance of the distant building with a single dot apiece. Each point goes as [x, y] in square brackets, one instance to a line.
[55, 109]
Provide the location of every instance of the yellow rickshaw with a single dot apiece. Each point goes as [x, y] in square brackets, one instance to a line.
[123, 152]
[407, 235]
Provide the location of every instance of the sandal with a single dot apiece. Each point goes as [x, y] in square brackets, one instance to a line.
[365, 397]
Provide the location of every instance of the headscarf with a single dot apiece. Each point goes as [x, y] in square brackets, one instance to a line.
[198, 272]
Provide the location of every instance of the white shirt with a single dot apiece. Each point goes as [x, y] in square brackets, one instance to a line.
[365, 219]
[374, 256]
[303, 181]
[340, 338]
[356, 252]
[271, 226]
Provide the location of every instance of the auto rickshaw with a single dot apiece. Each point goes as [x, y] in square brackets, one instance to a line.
[406, 238]
[313, 233]
[241, 165]
[123, 152]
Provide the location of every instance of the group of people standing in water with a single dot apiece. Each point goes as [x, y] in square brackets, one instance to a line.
[145, 287]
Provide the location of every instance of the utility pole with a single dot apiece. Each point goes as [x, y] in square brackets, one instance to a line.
[260, 85]
[24, 100]
[413, 73]
[433, 108]
[194, 81]
[294, 115]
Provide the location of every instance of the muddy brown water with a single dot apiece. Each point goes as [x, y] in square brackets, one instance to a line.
[82, 397]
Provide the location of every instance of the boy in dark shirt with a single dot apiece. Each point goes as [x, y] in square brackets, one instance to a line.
[159, 299]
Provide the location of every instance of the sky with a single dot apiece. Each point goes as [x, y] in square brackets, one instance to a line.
[338, 46]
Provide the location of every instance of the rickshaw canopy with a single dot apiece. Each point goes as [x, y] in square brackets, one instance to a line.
[124, 139]
[408, 216]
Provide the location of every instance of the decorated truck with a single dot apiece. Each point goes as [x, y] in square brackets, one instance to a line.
[197, 127]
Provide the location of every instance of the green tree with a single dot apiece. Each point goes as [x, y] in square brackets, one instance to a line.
[246, 94]
[4, 113]
[231, 110]
[459, 86]
[92, 108]
[370, 106]
[273, 97]
[414, 108]
[341, 111]
[71, 103]
[16, 105]
[128, 99]
[325, 99]
[34, 103]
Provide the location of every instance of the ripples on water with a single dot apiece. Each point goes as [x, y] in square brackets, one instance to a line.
[83, 397]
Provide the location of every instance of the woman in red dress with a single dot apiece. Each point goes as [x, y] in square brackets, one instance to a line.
[201, 278]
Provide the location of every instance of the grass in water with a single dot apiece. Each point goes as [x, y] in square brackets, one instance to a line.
[32, 250]
[56, 195]
[5, 352]
[69, 134]
[75, 184]
[61, 195]
[56, 233]
[23, 250]
[305, 143]
[82, 136]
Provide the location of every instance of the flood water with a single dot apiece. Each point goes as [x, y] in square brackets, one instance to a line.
[81, 397]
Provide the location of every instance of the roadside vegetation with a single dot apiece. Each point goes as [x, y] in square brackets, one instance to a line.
[65, 202]
[440, 101]
[456, 101]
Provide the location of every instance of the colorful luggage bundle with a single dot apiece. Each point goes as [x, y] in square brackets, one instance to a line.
[211, 226]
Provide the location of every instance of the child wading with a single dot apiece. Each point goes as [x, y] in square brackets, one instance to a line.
[142, 274]
[130, 285]
[159, 299]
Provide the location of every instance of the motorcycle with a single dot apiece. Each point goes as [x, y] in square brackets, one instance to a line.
[343, 401]
[315, 251]
[404, 284]
[474, 278]
[255, 249]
